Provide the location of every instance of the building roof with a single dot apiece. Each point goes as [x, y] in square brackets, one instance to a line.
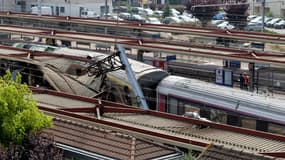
[105, 142]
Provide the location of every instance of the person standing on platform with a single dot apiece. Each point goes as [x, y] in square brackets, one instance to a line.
[246, 81]
[241, 81]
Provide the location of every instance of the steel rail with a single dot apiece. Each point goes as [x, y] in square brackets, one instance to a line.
[150, 45]
[238, 35]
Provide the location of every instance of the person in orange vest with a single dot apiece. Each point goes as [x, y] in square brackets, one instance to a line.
[246, 81]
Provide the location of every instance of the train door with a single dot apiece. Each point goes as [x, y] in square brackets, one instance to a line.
[175, 106]
[162, 103]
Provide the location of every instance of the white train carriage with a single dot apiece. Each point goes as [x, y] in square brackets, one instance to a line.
[221, 104]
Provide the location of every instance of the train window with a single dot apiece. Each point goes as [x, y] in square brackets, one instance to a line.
[172, 105]
[276, 128]
[261, 125]
[180, 109]
[248, 122]
[218, 116]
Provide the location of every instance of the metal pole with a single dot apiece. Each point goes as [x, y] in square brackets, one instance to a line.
[106, 10]
[132, 79]
[70, 8]
[253, 7]
[39, 7]
[2, 8]
[263, 14]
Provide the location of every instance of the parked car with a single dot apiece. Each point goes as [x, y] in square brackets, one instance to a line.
[137, 10]
[171, 20]
[153, 20]
[125, 16]
[272, 22]
[174, 12]
[259, 19]
[219, 16]
[217, 22]
[225, 25]
[147, 12]
[157, 13]
[137, 18]
[114, 17]
[280, 24]
[186, 19]
[250, 17]
[253, 27]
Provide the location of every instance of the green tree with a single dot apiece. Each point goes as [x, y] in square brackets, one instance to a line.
[166, 11]
[19, 115]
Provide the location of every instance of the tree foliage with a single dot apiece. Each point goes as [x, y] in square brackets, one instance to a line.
[204, 10]
[35, 147]
[166, 11]
[19, 115]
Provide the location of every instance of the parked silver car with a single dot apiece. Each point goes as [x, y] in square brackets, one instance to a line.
[253, 27]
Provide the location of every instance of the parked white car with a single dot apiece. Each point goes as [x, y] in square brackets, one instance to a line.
[148, 12]
[158, 13]
[272, 22]
[174, 12]
[225, 25]
[153, 20]
[171, 20]
[186, 19]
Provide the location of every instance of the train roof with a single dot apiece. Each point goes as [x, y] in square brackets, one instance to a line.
[177, 82]
[55, 78]
[230, 98]
[147, 75]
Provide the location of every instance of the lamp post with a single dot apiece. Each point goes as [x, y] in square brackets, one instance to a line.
[263, 14]
[253, 7]
[2, 8]
[39, 7]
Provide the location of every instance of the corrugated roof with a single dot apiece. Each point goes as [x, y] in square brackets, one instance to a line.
[105, 142]
[230, 139]
[214, 152]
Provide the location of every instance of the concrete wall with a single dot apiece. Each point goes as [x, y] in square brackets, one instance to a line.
[276, 7]
[7, 5]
